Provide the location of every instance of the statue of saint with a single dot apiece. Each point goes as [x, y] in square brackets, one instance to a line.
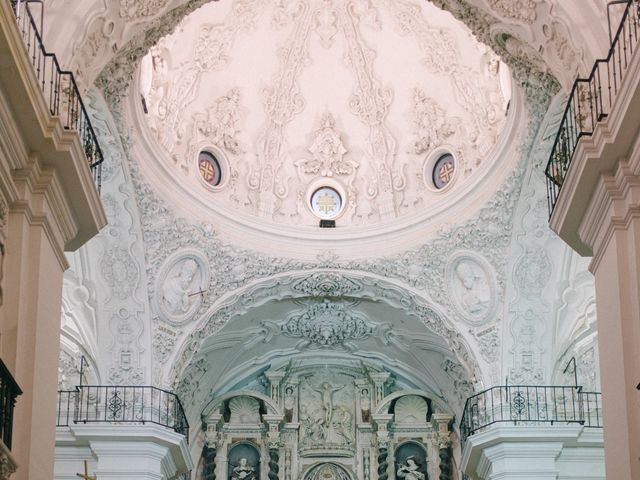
[365, 404]
[410, 470]
[243, 471]
[176, 289]
[289, 404]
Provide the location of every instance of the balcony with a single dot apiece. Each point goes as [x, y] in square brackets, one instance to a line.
[530, 405]
[50, 145]
[59, 88]
[137, 405]
[597, 128]
[120, 425]
[505, 427]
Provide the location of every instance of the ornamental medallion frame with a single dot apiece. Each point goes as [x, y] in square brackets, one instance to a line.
[181, 277]
[429, 164]
[330, 183]
[223, 162]
[472, 287]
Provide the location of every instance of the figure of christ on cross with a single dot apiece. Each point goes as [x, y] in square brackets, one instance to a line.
[326, 392]
[86, 475]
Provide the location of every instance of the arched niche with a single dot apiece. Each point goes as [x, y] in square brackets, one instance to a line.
[411, 461]
[327, 471]
[243, 461]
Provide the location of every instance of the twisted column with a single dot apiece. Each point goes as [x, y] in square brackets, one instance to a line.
[383, 465]
[445, 463]
[274, 468]
[209, 464]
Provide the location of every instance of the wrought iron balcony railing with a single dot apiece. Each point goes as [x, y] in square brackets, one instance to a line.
[530, 405]
[9, 391]
[122, 404]
[59, 88]
[591, 99]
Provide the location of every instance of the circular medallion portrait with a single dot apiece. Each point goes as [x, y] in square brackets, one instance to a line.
[181, 285]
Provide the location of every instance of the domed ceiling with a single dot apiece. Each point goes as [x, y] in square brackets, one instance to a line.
[383, 117]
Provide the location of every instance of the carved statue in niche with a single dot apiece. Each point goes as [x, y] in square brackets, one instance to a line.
[289, 403]
[365, 405]
[472, 287]
[411, 461]
[243, 471]
[177, 288]
[244, 462]
[410, 470]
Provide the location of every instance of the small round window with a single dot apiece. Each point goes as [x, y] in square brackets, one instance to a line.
[326, 203]
[443, 171]
[209, 168]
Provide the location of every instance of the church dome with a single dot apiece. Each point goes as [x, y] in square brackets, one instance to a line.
[389, 119]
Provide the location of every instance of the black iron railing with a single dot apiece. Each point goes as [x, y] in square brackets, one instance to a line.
[530, 405]
[591, 99]
[59, 88]
[122, 404]
[67, 406]
[9, 390]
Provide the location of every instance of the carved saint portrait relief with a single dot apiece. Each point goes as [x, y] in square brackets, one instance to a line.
[471, 287]
[180, 287]
[176, 291]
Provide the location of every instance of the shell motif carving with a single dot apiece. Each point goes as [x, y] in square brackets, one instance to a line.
[411, 409]
[244, 410]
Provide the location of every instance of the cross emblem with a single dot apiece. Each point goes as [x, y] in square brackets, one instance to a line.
[86, 475]
[326, 203]
[446, 172]
[206, 170]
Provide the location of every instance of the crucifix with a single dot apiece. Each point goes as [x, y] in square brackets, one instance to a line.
[86, 475]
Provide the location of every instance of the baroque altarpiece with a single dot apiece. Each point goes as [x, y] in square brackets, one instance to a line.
[325, 422]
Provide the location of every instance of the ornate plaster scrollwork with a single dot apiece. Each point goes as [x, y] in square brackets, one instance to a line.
[328, 152]
[218, 126]
[328, 324]
[472, 286]
[179, 286]
[432, 127]
[120, 271]
[521, 10]
[134, 9]
[324, 284]
[527, 350]
[126, 367]
[532, 271]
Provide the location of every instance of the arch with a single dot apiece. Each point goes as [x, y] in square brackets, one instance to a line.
[385, 403]
[314, 472]
[323, 283]
[212, 404]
